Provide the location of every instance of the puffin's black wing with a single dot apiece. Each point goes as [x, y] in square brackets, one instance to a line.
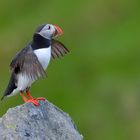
[26, 62]
[58, 49]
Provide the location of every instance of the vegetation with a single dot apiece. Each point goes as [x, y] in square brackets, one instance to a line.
[98, 82]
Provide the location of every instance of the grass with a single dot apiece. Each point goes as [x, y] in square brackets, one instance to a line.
[98, 82]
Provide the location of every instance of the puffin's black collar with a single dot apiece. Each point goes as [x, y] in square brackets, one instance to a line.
[40, 42]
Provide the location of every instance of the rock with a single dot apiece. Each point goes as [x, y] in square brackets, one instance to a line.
[45, 122]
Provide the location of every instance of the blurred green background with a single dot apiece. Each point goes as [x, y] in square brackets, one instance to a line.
[98, 83]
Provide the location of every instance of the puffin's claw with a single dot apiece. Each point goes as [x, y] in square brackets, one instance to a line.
[34, 101]
[40, 98]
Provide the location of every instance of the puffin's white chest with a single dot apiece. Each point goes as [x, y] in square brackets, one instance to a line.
[44, 56]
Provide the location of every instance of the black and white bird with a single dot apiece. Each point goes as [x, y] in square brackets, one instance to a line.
[31, 62]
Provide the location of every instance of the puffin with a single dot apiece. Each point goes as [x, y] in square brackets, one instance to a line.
[30, 63]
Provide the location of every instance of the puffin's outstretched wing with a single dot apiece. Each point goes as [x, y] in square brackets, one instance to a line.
[27, 63]
[58, 49]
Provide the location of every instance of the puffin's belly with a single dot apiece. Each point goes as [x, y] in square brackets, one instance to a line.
[24, 81]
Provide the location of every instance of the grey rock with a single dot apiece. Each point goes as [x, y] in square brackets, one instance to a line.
[45, 122]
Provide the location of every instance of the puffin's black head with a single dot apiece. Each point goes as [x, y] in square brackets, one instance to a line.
[49, 31]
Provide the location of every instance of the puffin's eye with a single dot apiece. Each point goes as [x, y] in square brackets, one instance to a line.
[49, 27]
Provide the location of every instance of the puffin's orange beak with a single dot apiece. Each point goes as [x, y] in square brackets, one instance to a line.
[58, 31]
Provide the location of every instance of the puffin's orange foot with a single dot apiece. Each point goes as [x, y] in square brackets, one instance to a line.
[40, 98]
[34, 101]
[30, 99]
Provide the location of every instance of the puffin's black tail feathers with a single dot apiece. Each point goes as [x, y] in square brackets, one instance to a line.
[11, 86]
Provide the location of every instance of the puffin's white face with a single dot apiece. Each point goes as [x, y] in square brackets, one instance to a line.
[50, 31]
